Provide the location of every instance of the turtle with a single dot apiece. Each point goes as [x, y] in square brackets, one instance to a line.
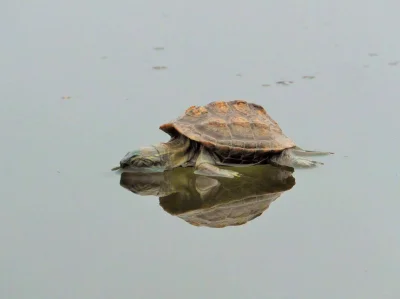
[221, 133]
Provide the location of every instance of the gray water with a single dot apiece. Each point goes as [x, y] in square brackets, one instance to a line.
[82, 84]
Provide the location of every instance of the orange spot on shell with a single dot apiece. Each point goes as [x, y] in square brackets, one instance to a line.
[219, 106]
[261, 111]
[196, 111]
[241, 106]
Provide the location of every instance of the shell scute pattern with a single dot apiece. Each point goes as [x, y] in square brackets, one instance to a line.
[238, 143]
[214, 127]
[241, 128]
[251, 145]
[260, 129]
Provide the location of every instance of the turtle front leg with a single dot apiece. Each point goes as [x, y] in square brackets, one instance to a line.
[206, 165]
[288, 158]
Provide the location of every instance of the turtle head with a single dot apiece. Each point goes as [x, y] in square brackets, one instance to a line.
[143, 158]
[158, 157]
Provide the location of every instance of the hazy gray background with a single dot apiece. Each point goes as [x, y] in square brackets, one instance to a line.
[68, 230]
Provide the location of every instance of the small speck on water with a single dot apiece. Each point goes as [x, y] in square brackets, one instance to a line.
[372, 54]
[159, 67]
[65, 97]
[308, 77]
[285, 83]
[394, 63]
[158, 48]
[266, 85]
[104, 57]
[238, 75]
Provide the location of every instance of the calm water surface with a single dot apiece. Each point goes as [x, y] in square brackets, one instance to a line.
[84, 82]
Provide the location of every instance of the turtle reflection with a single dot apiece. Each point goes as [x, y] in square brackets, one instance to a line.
[213, 202]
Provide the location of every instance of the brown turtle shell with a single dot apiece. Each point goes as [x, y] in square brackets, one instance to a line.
[232, 126]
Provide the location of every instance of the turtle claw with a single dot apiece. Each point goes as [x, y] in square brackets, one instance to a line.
[228, 173]
[235, 174]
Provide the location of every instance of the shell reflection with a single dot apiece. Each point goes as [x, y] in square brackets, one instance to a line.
[213, 201]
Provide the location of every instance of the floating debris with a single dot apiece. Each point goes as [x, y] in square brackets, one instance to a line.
[158, 48]
[104, 57]
[308, 77]
[238, 75]
[393, 63]
[65, 97]
[373, 54]
[284, 82]
[266, 85]
[366, 65]
[159, 67]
